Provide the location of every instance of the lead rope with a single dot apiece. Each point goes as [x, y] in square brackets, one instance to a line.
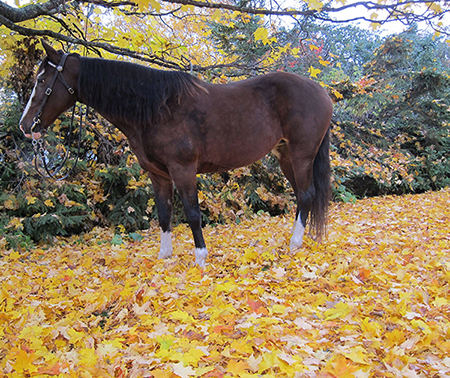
[40, 152]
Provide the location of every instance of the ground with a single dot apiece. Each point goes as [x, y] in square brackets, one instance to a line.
[371, 300]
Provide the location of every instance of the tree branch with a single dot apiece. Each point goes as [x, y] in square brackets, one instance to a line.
[30, 11]
[11, 17]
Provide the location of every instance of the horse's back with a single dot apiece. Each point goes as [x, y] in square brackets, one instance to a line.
[232, 125]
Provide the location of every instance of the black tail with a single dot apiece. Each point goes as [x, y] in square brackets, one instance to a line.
[322, 186]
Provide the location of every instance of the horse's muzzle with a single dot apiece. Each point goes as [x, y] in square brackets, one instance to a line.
[30, 135]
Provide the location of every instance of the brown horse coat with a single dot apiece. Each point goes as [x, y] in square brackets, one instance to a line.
[179, 126]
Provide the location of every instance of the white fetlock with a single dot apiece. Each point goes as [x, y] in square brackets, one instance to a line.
[297, 235]
[166, 249]
[200, 256]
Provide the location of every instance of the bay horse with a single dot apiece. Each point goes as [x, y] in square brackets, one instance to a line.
[179, 126]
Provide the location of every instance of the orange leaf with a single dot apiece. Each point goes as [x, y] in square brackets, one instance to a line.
[237, 367]
[24, 362]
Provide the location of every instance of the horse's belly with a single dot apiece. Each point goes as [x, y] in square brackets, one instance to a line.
[221, 162]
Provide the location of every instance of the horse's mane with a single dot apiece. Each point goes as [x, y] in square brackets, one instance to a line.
[131, 91]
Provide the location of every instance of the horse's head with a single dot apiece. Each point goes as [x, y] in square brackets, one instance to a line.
[54, 92]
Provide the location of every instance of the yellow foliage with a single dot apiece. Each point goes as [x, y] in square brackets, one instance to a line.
[369, 301]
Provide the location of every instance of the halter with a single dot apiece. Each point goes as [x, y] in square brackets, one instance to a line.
[58, 75]
[38, 146]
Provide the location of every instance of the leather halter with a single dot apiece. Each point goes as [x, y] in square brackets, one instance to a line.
[58, 75]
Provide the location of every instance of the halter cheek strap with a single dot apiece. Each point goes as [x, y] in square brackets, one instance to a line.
[58, 75]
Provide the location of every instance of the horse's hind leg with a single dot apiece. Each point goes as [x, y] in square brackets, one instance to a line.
[185, 180]
[298, 170]
[163, 189]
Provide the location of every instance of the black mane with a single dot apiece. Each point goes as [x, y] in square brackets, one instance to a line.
[131, 91]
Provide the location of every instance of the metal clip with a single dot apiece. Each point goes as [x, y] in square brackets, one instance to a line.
[71, 91]
[48, 91]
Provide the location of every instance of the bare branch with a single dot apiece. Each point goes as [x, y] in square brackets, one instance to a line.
[30, 11]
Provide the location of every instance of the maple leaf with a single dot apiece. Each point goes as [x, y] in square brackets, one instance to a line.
[24, 362]
[181, 371]
[358, 355]
[237, 367]
[343, 368]
[87, 357]
[158, 373]
[340, 310]
[314, 71]
[261, 34]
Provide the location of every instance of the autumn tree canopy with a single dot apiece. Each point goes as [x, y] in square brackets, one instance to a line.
[171, 33]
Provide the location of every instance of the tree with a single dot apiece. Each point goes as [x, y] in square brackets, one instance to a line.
[395, 121]
[97, 25]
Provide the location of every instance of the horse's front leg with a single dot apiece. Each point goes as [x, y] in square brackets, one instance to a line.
[185, 179]
[163, 189]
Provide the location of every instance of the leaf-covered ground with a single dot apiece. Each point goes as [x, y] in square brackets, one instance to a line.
[373, 300]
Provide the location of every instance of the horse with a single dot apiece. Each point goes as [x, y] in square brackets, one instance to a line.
[179, 126]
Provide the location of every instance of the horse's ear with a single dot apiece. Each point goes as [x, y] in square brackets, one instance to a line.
[52, 54]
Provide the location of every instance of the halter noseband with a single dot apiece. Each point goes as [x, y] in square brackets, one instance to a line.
[58, 75]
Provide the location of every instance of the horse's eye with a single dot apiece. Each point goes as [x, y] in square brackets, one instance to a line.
[41, 81]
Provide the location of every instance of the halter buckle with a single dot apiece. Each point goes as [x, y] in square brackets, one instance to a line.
[36, 121]
[48, 91]
[71, 91]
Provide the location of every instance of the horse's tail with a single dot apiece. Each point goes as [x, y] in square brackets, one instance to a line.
[322, 186]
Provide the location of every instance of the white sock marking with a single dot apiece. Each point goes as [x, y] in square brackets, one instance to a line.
[200, 256]
[297, 235]
[166, 245]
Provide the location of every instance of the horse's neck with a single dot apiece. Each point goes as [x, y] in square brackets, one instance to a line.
[127, 128]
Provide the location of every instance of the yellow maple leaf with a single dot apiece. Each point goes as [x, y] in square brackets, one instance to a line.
[227, 287]
[158, 373]
[261, 34]
[237, 367]
[340, 310]
[49, 203]
[435, 7]
[24, 362]
[155, 5]
[216, 15]
[16, 223]
[182, 316]
[204, 370]
[88, 357]
[295, 51]
[250, 254]
[315, 4]
[75, 336]
[420, 324]
[31, 200]
[358, 355]
[192, 357]
[342, 368]
[269, 360]
[314, 71]
[440, 301]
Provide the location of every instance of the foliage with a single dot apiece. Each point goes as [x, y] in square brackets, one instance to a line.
[173, 33]
[370, 301]
[393, 129]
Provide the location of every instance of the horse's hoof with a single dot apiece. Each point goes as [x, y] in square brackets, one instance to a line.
[200, 256]
[295, 244]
